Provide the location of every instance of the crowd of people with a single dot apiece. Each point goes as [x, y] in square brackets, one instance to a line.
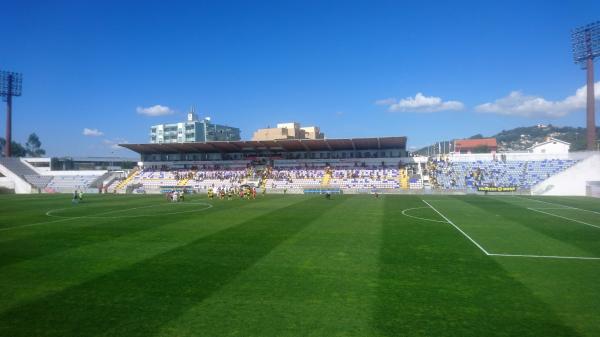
[267, 176]
[499, 172]
[232, 191]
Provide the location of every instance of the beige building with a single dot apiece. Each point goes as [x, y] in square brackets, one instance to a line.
[288, 131]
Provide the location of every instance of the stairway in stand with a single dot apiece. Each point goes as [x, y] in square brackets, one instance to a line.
[403, 179]
[125, 182]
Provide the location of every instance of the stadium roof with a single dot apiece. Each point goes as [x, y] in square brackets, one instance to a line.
[288, 145]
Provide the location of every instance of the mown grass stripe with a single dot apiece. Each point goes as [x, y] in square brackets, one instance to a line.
[138, 300]
[39, 276]
[432, 283]
[320, 280]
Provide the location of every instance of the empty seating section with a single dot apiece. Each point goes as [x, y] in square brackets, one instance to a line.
[38, 181]
[16, 166]
[364, 178]
[415, 182]
[468, 175]
[112, 187]
[67, 184]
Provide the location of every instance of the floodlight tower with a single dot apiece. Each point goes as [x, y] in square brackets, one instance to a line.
[586, 47]
[10, 85]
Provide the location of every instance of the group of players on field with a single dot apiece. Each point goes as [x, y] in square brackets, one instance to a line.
[175, 196]
[230, 192]
[77, 196]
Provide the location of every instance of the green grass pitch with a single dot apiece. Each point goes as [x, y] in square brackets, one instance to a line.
[121, 265]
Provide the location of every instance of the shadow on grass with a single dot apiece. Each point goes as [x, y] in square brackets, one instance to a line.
[138, 300]
[578, 235]
[434, 282]
[91, 231]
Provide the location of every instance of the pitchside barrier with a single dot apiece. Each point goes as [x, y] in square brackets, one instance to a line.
[433, 191]
[339, 190]
[323, 190]
[592, 189]
[184, 189]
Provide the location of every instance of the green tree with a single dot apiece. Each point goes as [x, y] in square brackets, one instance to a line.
[34, 146]
[17, 150]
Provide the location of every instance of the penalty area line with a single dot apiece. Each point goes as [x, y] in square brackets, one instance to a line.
[555, 204]
[564, 217]
[514, 255]
[458, 228]
[547, 256]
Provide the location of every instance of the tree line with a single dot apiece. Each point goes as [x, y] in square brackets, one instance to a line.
[32, 148]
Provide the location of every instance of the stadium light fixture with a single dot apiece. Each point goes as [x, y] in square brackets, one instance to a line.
[10, 86]
[586, 47]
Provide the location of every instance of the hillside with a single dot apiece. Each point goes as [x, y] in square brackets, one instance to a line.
[522, 138]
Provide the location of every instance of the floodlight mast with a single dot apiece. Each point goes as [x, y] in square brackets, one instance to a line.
[10, 85]
[586, 47]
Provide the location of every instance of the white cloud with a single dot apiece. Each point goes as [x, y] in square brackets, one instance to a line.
[92, 132]
[155, 110]
[114, 143]
[519, 104]
[385, 101]
[420, 103]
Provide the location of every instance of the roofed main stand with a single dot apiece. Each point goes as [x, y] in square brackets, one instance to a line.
[287, 145]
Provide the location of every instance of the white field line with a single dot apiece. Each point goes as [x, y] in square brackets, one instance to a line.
[97, 217]
[547, 256]
[555, 204]
[549, 208]
[447, 199]
[460, 230]
[416, 217]
[511, 255]
[35, 224]
[49, 213]
[563, 217]
[44, 222]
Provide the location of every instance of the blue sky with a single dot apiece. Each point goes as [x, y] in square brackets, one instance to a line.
[355, 68]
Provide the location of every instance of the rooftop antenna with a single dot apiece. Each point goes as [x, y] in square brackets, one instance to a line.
[10, 85]
[192, 114]
[586, 47]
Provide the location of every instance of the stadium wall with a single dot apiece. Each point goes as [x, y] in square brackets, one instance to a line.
[13, 181]
[74, 173]
[510, 156]
[6, 183]
[572, 181]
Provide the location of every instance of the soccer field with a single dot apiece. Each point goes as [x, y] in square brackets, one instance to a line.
[121, 265]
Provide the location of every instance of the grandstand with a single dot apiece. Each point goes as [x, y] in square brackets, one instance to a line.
[352, 165]
[363, 165]
[23, 175]
[68, 183]
[523, 174]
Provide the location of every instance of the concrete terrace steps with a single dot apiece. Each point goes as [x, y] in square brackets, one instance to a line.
[16, 166]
